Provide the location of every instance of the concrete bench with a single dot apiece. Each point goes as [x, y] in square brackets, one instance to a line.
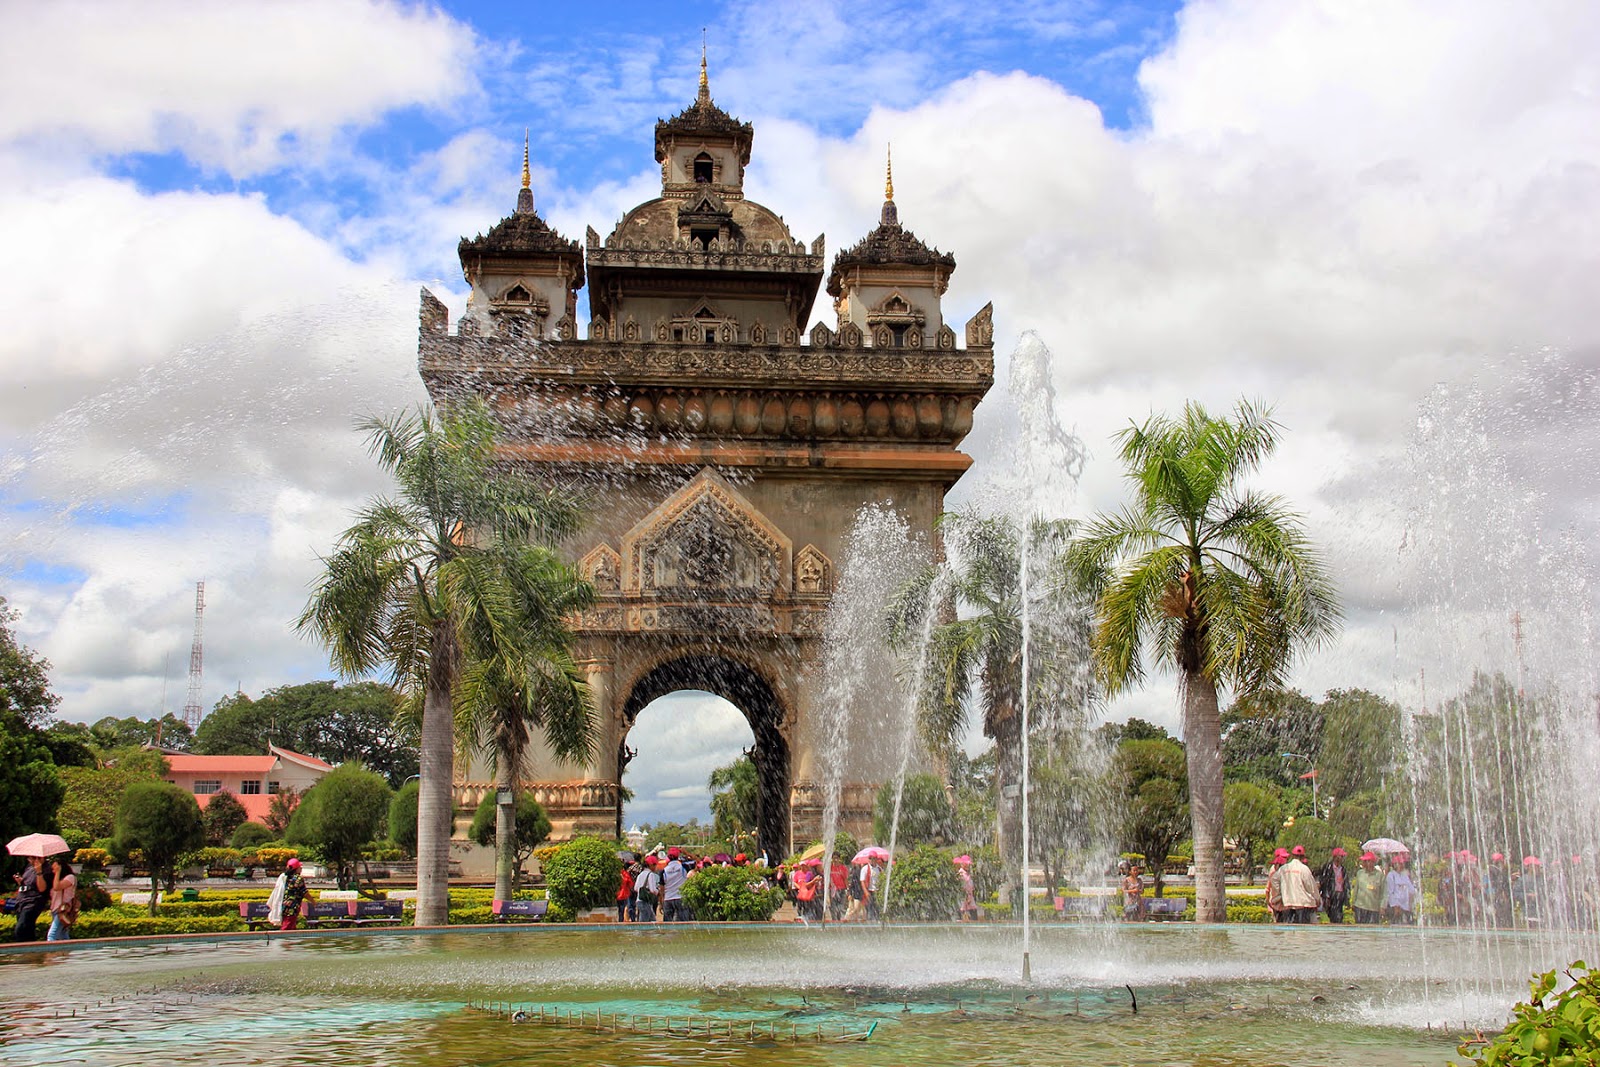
[506, 910]
[377, 912]
[141, 898]
[1164, 908]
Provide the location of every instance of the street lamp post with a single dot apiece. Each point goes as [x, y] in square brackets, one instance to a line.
[1316, 809]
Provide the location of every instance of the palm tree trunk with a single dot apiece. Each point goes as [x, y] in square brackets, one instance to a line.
[436, 787]
[1202, 735]
[505, 829]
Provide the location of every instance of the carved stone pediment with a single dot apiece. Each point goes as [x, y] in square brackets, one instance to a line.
[706, 539]
[603, 568]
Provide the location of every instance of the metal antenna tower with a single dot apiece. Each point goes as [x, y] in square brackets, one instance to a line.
[191, 708]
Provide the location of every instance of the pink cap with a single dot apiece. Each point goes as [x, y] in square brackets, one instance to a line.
[1298, 850]
[294, 862]
[1339, 852]
[1280, 856]
[1497, 857]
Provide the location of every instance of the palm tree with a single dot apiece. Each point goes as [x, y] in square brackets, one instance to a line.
[424, 583]
[735, 799]
[977, 650]
[501, 700]
[1216, 580]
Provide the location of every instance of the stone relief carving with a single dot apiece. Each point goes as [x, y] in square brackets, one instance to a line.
[706, 536]
[980, 328]
[813, 572]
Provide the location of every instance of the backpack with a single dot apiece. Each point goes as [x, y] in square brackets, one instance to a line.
[856, 892]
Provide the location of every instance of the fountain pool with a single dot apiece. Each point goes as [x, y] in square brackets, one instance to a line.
[939, 995]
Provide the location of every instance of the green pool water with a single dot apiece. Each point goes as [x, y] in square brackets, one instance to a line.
[765, 995]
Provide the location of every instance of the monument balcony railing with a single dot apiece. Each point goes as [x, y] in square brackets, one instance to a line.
[552, 796]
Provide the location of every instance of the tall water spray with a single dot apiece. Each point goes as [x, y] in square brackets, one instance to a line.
[1496, 674]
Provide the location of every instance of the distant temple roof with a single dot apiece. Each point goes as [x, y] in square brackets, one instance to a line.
[888, 243]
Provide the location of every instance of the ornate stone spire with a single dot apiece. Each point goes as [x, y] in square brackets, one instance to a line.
[525, 194]
[890, 215]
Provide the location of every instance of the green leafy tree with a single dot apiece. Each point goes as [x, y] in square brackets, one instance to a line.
[421, 584]
[163, 821]
[355, 723]
[1361, 744]
[403, 817]
[169, 732]
[1315, 835]
[88, 810]
[1258, 730]
[532, 827]
[1149, 777]
[584, 873]
[926, 816]
[223, 815]
[30, 783]
[1251, 816]
[339, 815]
[735, 798]
[1215, 580]
[979, 651]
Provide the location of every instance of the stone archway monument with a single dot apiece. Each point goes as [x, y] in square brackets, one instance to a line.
[724, 449]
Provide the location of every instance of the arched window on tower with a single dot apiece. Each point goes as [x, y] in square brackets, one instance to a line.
[705, 167]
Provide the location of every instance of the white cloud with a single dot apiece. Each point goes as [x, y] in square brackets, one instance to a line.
[237, 86]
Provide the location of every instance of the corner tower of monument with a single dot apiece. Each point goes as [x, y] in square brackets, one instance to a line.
[723, 447]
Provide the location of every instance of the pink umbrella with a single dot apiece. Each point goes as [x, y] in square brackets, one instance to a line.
[871, 852]
[40, 845]
[814, 861]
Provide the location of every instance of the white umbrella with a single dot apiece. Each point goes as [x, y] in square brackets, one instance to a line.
[1387, 845]
[37, 845]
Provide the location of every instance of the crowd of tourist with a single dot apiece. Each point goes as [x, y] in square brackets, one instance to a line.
[651, 886]
[1387, 889]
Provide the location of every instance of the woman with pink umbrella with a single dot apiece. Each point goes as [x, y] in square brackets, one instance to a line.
[33, 884]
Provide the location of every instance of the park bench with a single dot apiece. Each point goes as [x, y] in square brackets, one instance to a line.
[325, 912]
[377, 912]
[1080, 907]
[254, 914]
[506, 910]
[1164, 908]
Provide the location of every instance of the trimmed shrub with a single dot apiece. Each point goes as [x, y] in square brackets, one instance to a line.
[924, 885]
[91, 857]
[584, 873]
[249, 836]
[724, 894]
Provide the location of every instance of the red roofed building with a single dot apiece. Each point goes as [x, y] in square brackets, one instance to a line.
[253, 779]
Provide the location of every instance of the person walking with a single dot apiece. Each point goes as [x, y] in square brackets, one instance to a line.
[672, 878]
[1400, 892]
[1497, 889]
[1368, 897]
[33, 896]
[63, 900]
[646, 891]
[839, 882]
[1133, 895]
[1298, 889]
[871, 880]
[288, 893]
[1275, 885]
[1334, 882]
[625, 894]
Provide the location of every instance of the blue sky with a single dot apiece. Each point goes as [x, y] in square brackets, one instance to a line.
[218, 217]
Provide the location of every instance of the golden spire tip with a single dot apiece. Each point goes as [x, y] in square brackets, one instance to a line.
[527, 173]
[888, 174]
[705, 82]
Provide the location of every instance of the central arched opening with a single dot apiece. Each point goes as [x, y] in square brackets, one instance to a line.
[672, 683]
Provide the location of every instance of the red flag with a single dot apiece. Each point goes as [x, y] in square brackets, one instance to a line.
[1312, 773]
